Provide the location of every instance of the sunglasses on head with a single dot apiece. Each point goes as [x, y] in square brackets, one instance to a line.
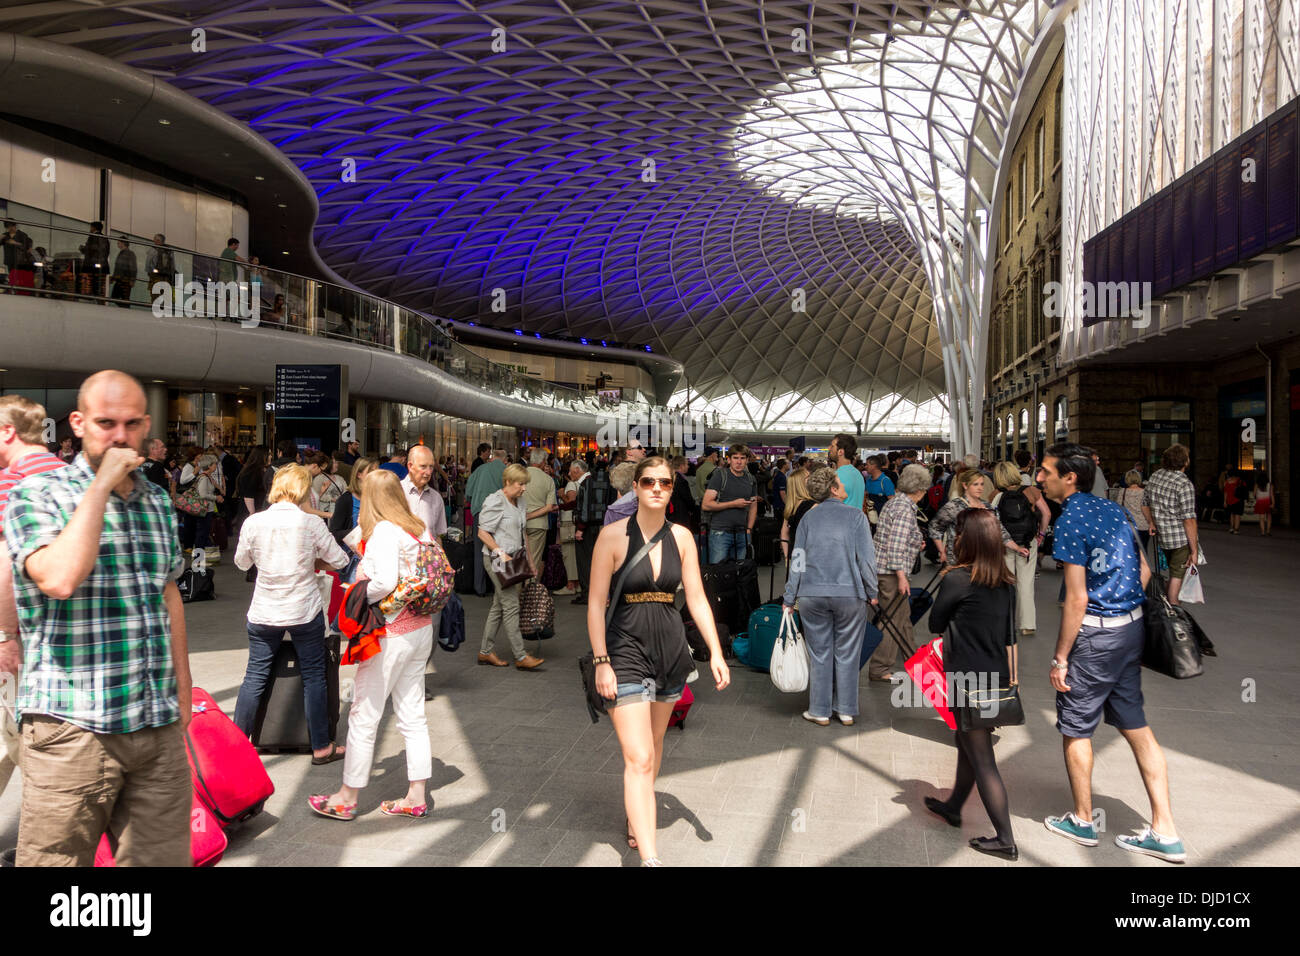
[647, 481]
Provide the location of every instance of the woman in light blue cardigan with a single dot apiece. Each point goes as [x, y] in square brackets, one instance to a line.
[833, 575]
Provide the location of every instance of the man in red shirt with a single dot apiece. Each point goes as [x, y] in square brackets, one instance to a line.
[22, 453]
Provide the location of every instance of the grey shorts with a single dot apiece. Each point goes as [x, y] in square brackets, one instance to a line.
[1105, 679]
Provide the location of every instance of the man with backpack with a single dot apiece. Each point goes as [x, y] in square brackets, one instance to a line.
[879, 486]
[595, 494]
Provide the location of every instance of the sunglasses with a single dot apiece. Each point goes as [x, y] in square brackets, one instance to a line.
[649, 482]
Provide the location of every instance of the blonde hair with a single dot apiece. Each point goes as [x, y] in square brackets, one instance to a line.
[382, 500]
[27, 418]
[515, 472]
[963, 480]
[796, 491]
[1132, 477]
[360, 468]
[1006, 476]
[292, 484]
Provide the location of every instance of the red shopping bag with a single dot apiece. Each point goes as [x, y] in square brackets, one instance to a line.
[925, 667]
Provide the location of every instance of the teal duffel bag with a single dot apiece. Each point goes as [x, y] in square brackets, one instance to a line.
[764, 626]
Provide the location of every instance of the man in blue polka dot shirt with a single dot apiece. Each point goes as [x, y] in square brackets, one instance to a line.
[1097, 670]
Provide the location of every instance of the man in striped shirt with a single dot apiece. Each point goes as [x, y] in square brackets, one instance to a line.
[22, 453]
[105, 690]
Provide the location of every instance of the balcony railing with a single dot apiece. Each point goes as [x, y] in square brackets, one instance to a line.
[65, 262]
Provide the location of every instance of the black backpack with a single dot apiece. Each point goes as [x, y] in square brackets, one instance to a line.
[594, 496]
[1017, 516]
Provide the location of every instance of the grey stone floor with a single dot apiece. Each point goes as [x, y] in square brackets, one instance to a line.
[522, 777]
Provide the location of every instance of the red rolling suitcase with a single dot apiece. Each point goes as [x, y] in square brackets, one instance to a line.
[682, 708]
[229, 779]
[207, 841]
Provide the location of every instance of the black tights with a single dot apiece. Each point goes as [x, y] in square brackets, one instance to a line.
[976, 767]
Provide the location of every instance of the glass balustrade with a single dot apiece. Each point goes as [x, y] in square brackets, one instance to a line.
[57, 261]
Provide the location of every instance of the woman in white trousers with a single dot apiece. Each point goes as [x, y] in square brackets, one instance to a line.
[391, 536]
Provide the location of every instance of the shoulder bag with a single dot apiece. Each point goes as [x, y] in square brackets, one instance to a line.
[587, 662]
[989, 707]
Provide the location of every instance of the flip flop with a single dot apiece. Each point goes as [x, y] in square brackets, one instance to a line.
[333, 755]
[320, 803]
[391, 808]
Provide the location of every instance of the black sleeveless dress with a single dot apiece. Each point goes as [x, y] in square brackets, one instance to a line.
[647, 641]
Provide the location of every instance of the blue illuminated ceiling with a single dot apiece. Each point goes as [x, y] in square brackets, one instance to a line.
[602, 165]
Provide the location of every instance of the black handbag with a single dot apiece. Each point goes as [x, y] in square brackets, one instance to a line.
[196, 586]
[587, 662]
[516, 570]
[989, 707]
[1171, 640]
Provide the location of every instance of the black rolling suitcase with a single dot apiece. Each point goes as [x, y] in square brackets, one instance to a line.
[767, 532]
[732, 589]
[461, 555]
[281, 723]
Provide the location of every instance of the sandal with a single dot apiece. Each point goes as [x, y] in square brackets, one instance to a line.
[392, 808]
[333, 755]
[320, 803]
[631, 840]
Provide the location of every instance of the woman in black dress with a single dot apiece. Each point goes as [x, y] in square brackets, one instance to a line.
[973, 610]
[643, 660]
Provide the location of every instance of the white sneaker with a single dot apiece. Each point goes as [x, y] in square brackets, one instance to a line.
[819, 721]
[845, 719]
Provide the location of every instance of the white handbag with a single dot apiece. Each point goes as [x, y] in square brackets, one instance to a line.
[789, 666]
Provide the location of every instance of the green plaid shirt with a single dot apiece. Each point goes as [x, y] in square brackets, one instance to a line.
[101, 659]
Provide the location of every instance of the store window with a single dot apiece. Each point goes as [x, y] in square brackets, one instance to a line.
[207, 418]
[1062, 432]
[1243, 425]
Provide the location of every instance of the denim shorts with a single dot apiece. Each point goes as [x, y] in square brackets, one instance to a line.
[636, 693]
[1105, 678]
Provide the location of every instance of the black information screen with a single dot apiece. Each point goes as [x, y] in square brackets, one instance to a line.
[307, 391]
[1281, 175]
[1203, 221]
[1163, 243]
[1182, 233]
[1146, 228]
[1227, 192]
[1253, 218]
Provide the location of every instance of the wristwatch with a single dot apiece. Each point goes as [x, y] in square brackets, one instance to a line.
[1060, 665]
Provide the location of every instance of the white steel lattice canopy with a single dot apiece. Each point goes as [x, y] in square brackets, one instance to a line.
[772, 192]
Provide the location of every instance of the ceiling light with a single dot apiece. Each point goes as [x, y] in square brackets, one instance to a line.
[260, 179]
[283, 205]
[30, 76]
[285, 252]
[159, 381]
[164, 122]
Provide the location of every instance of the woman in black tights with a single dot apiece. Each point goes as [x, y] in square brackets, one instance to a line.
[973, 610]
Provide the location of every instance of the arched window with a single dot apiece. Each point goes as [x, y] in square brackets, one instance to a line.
[1062, 418]
[1042, 421]
[1024, 429]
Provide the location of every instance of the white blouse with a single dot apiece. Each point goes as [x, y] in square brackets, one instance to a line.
[285, 542]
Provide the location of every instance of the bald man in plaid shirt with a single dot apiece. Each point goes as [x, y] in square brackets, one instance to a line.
[105, 691]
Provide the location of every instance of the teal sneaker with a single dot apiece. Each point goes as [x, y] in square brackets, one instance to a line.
[1072, 828]
[1147, 842]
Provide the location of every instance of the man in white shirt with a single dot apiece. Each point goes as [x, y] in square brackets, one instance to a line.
[425, 502]
[427, 505]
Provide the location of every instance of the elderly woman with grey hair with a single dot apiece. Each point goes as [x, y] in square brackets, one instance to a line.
[620, 479]
[898, 541]
[833, 576]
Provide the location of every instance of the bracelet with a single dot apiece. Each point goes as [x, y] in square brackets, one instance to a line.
[603, 659]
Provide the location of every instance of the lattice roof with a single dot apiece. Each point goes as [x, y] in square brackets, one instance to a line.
[834, 163]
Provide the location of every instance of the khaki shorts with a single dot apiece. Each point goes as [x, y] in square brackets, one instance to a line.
[1177, 558]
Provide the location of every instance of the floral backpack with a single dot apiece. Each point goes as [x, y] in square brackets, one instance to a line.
[427, 588]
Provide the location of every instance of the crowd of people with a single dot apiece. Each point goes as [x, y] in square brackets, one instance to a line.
[97, 533]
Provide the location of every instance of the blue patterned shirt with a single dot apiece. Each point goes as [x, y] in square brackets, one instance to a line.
[1096, 534]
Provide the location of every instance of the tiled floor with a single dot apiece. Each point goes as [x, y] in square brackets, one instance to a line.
[522, 777]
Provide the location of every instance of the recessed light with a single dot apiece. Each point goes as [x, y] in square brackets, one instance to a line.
[286, 252]
[164, 122]
[283, 205]
[260, 179]
[30, 76]
[118, 100]
[159, 381]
